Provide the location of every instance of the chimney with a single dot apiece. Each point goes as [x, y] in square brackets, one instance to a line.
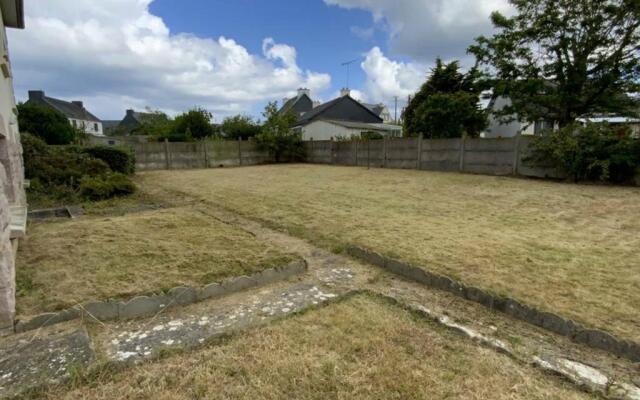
[345, 92]
[36, 95]
[130, 113]
[78, 103]
[303, 91]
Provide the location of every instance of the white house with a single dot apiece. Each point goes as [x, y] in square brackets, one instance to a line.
[498, 128]
[74, 111]
[334, 129]
[12, 195]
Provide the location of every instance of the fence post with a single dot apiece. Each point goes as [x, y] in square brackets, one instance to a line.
[356, 151]
[312, 156]
[516, 154]
[368, 153]
[384, 152]
[332, 150]
[206, 156]
[167, 155]
[419, 163]
[240, 150]
[462, 143]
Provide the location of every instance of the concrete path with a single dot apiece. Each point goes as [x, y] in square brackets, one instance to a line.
[48, 355]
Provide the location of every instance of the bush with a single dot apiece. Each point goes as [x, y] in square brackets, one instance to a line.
[106, 186]
[597, 152]
[46, 123]
[119, 159]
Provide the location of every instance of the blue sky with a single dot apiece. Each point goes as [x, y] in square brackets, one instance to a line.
[234, 56]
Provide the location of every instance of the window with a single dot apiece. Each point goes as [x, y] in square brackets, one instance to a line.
[75, 123]
[95, 127]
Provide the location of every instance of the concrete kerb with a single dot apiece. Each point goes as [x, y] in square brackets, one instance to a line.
[549, 321]
[142, 306]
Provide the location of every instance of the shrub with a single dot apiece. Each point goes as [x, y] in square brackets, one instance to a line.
[595, 152]
[119, 159]
[106, 186]
[46, 123]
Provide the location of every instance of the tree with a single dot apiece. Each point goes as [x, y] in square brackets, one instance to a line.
[240, 126]
[48, 124]
[564, 59]
[277, 137]
[153, 123]
[446, 105]
[196, 122]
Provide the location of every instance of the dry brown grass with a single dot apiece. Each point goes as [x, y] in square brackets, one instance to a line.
[65, 263]
[363, 348]
[570, 248]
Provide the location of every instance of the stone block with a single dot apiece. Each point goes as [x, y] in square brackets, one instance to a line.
[143, 306]
[554, 323]
[182, 295]
[100, 310]
[238, 284]
[267, 276]
[47, 319]
[600, 340]
[211, 291]
[479, 296]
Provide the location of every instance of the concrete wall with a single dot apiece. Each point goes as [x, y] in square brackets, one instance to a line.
[479, 156]
[204, 154]
[12, 193]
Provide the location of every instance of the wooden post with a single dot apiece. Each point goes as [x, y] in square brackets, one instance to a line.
[167, 155]
[240, 150]
[206, 156]
[419, 163]
[384, 152]
[516, 154]
[462, 143]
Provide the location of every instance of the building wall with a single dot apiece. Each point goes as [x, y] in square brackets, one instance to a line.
[324, 130]
[91, 127]
[11, 184]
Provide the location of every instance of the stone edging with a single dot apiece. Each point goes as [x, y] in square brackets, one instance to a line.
[552, 322]
[62, 212]
[149, 305]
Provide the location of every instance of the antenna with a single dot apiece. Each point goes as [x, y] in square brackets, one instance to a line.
[348, 65]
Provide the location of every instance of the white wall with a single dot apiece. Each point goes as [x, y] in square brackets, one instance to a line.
[92, 127]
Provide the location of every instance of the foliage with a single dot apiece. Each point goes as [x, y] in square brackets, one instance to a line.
[446, 105]
[194, 124]
[153, 123]
[46, 123]
[240, 126]
[105, 186]
[370, 135]
[595, 152]
[277, 137]
[56, 172]
[564, 59]
[119, 159]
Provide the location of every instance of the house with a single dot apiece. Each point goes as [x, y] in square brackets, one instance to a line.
[615, 120]
[76, 113]
[343, 117]
[13, 210]
[300, 104]
[381, 111]
[510, 126]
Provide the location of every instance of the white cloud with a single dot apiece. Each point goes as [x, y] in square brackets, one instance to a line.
[114, 54]
[363, 33]
[425, 29]
[386, 78]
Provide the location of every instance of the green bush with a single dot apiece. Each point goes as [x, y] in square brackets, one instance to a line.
[46, 123]
[106, 186]
[597, 152]
[119, 159]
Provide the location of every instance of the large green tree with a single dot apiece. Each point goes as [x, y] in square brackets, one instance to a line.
[446, 105]
[564, 59]
[277, 137]
[46, 123]
[195, 123]
[240, 126]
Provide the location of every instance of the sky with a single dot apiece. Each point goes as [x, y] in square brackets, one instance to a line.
[234, 56]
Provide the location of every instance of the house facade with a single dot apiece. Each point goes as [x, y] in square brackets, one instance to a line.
[12, 196]
[78, 115]
[510, 126]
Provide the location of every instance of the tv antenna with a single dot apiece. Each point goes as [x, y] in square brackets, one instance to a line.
[348, 65]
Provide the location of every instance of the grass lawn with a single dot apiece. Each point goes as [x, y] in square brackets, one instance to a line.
[64, 263]
[573, 249]
[363, 348]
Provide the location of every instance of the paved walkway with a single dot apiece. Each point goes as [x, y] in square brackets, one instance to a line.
[50, 354]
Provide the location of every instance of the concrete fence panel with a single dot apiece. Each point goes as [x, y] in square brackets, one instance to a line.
[402, 153]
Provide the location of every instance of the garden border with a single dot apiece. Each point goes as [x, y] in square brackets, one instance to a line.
[546, 320]
[141, 306]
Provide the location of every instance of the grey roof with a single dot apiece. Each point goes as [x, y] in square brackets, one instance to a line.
[299, 105]
[340, 110]
[69, 109]
[110, 124]
[376, 108]
[364, 125]
[12, 13]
